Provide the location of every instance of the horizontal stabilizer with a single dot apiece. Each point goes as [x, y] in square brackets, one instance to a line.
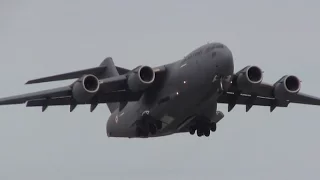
[71, 75]
[76, 74]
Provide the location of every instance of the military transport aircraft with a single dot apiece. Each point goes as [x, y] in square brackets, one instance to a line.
[173, 98]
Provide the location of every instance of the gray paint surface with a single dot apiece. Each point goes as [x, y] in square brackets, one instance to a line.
[59, 144]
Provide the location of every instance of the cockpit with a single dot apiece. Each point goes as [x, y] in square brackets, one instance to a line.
[214, 46]
[203, 50]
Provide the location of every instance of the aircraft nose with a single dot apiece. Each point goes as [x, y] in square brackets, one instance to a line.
[224, 62]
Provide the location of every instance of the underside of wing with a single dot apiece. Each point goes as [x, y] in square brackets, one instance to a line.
[120, 96]
[69, 96]
[51, 93]
[248, 89]
[250, 100]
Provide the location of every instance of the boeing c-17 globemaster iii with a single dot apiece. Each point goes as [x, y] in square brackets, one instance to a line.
[173, 98]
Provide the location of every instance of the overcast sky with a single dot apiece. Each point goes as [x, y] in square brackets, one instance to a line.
[41, 38]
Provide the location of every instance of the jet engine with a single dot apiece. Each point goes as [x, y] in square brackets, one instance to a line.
[141, 78]
[287, 85]
[85, 88]
[248, 77]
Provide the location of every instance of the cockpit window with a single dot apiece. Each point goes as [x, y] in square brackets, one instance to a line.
[213, 54]
[193, 54]
[209, 49]
[218, 46]
[214, 46]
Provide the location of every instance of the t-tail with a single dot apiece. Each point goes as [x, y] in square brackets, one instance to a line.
[110, 71]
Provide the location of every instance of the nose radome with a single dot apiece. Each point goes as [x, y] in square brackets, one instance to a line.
[224, 61]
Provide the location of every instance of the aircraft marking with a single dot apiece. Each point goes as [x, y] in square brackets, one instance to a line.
[146, 112]
[116, 119]
[183, 65]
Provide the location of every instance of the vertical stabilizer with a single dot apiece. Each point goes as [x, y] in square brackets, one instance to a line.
[110, 71]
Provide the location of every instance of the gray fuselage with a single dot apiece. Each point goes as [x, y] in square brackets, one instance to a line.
[186, 90]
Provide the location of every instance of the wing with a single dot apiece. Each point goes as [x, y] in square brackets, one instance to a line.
[120, 96]
[89, 89]
[249, 92]
[64, 96]
[232, 99]
[20, 99]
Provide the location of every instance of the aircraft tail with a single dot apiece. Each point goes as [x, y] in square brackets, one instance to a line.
[110, 71]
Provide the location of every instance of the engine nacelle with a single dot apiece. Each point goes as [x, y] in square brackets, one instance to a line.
[141, 78]
[287, 85]
[248, 77]
[85, 88]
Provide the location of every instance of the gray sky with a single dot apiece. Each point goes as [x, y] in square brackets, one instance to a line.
[40, 38]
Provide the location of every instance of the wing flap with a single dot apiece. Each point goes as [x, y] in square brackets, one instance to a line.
[113, 89]
[265, 90]
[20, 99]
[302, 98]
[249, 100]
[121, 96]
[50, 102]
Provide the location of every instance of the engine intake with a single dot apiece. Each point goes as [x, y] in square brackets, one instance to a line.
[141, 78]
[146, 74]
[248, 77]
[85, 88]
[292, 84]
[287, 85]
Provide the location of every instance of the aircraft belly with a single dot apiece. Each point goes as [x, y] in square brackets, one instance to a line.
[121, 123]
[182, 108]
[189, 92]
